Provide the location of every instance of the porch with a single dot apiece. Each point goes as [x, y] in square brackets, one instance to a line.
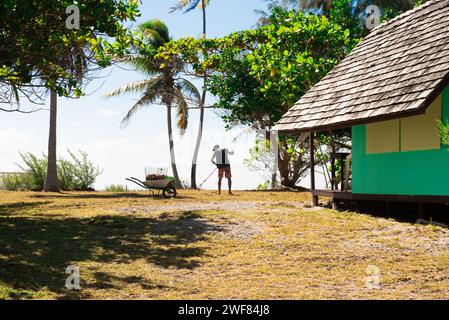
[342, 196]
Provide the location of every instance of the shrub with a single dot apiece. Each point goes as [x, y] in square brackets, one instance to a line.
[116, 188]
[66, 177]
[12, 182]
[75, 174]
[35, 171]
[444, 132]
[263, 186]
[84, 172]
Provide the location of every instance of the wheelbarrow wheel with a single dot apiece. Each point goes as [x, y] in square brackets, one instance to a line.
[169, 193]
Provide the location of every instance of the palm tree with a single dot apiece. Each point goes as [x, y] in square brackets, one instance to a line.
[186, 6]
[51, 181]
[164, 85]
[74, 57]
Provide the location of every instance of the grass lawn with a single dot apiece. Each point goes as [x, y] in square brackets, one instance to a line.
[201, 246]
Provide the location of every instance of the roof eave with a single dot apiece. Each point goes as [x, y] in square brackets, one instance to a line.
[346, 124]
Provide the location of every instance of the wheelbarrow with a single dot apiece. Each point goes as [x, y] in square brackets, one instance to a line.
[156, 187]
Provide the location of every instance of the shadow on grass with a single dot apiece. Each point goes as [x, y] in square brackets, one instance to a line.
[35, 250]
[20, 207]
[94, 195]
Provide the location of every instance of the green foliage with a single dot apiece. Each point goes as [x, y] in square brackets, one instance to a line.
[348, 13]
[292, 160]
[66, 175]
[116, 188]
[444, 132]
[75, 174]
[165, 83]
[83, 171]
[35, 170]
[35, 40]
[263, 186]
[259, 74]
[12, 182]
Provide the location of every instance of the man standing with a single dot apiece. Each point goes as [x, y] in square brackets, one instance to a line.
[221, 160]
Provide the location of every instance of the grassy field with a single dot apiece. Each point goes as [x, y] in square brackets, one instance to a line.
[201, 246]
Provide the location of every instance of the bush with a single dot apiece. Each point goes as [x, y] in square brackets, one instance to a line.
[263, 186]
[444, 132]
[76, 174]
[12, 182]
[84, 172]
[66, 177]
[35, 171]
[116, 188]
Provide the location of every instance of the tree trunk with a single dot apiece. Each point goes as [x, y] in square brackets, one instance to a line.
[51, 182]
[172, 148]
[203, 102]
[275, 153]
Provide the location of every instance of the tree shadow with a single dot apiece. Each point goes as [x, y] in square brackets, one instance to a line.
[94, 195]
[35, 250]
[20, 207]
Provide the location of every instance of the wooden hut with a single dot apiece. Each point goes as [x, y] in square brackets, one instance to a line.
[390, 91]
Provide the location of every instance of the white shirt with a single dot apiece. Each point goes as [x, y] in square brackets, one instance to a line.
[217, 156]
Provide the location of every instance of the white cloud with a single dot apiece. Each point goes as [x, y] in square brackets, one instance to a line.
[11, 138]
[108, 113]
[12, 141]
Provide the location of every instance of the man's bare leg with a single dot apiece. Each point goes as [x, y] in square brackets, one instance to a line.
[230, 186]
[219, 185]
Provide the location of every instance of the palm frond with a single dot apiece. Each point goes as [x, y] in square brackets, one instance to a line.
[144, 101]
[138, 86]
[142, 64]
[176, 7]
[156, 32]
[188, 5]
[153, 92]
[182, 111]
[189, 90]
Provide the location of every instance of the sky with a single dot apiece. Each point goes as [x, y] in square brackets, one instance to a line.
[92, 123]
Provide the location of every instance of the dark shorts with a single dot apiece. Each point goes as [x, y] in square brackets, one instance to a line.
[225, 172]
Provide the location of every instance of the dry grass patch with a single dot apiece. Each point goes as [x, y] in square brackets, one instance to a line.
[256, 245]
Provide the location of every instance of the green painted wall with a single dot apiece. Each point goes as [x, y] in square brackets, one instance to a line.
[400, 173]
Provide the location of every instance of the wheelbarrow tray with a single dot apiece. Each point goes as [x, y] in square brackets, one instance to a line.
[158, 184]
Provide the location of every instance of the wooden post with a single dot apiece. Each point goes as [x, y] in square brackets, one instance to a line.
[342, 173]
[334, 204]
[387, 209]
[312, 169]
[421, 211]
[333, 175]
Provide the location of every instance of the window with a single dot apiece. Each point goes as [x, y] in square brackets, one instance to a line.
[406, 134]
[421, 132]
[383, 137]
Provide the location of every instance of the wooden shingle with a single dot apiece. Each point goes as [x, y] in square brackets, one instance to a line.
[397, 70]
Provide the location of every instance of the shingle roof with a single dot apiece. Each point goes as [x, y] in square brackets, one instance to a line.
[397, 70]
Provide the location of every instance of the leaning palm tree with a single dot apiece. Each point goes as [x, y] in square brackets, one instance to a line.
[164, 85]
[186, 6]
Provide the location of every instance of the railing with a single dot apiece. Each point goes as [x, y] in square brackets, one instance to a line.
[7, 173]
[341, 184]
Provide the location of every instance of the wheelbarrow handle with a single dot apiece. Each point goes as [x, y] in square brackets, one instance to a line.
[138, 182]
